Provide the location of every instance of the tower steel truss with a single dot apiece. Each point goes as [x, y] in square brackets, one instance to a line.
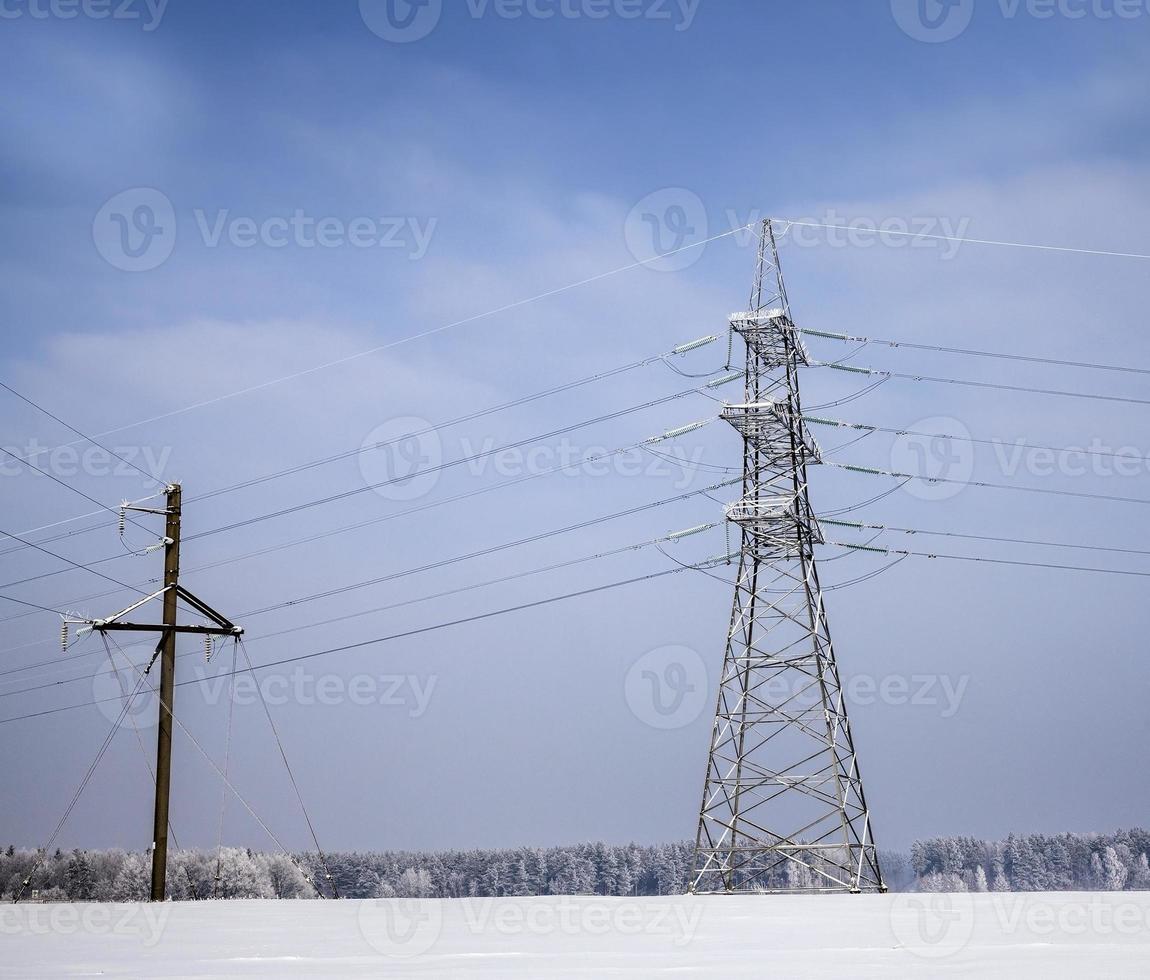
[783, 805]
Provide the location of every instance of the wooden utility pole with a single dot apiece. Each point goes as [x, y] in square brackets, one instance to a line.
[167, 693]
[169, 629]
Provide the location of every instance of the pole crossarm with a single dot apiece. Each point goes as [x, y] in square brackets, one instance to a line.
[161, 628]
[222, 627]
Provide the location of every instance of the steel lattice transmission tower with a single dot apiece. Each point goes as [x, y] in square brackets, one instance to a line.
[783, 805]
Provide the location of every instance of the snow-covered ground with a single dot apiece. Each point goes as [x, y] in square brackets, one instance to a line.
[1048, 935]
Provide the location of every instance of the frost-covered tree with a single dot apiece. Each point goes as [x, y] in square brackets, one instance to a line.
[133, 882]
[81, 885]
[1000, 883]
[798, 876]
[980, 884]
[415, 883]
[942, 881]
[241, 876]
[285, 877]
[1140, 879]
[1109, 872]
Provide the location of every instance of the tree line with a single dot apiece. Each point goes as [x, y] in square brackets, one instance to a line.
[1033, 862]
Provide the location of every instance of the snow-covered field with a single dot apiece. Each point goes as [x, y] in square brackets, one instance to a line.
[1045, 935]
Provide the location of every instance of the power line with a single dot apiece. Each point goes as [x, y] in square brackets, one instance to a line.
[413, 601]
[435, 566]
[872, 471]
[986, 537]
[990, 561]
[66, 486]
[24, 602]
[470, 417]
[665, 357]
[966, 241]
[291, 774]
[63, 535]
[127, 704]
[85, 438]
[1029, 358]
[433, 469]
[143, 680]
[505, 308]
[474, 457]
[380, 639]
[1093, 396]
[1063, 450]
[547, 471]
[74, 564]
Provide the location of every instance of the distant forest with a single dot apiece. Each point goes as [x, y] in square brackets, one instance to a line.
[1034, 862]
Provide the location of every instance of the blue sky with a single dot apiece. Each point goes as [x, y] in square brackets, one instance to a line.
[495, 160]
